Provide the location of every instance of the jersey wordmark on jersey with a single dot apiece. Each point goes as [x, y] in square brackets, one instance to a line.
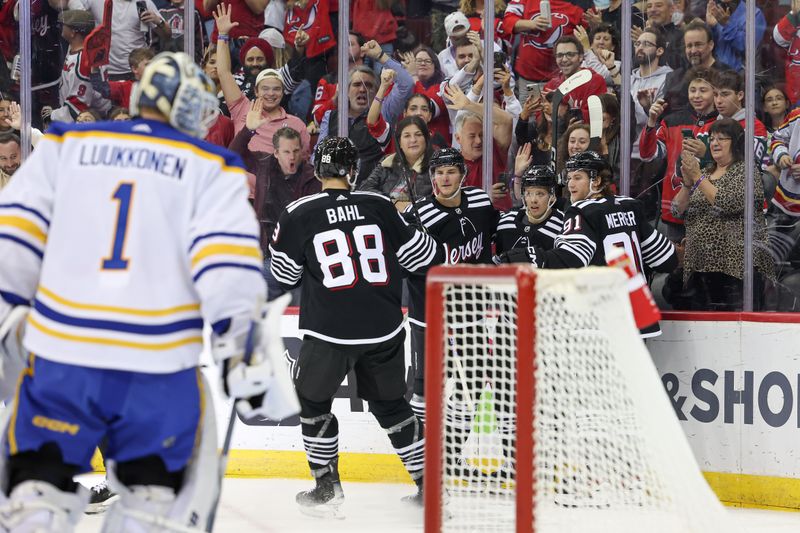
[348, 250]
[465, 232]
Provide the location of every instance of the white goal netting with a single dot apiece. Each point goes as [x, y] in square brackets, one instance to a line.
[609, 453]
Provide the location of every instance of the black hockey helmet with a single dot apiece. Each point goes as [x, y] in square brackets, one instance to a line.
[447, 157]
[538, 176]
[336, 157]
[590, 161]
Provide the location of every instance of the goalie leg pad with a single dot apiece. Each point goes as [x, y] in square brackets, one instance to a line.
[41, 507]
[404, 430]
[189, 509]
[37, 488]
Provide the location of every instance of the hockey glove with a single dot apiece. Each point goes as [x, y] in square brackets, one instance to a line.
[13, 356]
[519, 255]
[254, 370]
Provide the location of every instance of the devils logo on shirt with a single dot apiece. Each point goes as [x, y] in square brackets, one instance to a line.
[546, 39]
[294, 19]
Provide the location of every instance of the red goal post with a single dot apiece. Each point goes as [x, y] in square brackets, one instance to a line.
[523, 278]
[544, 411]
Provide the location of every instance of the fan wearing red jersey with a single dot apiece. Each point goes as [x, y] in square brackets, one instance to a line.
[675, 133]
[535, 59]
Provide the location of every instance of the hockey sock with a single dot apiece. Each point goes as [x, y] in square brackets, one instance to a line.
[418, 406]
[320, 437]
[418, 364]
[405, 431]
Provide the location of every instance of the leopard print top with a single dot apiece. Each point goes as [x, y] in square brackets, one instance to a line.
[715, 233]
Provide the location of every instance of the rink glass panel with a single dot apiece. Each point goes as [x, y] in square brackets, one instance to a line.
[765, 68]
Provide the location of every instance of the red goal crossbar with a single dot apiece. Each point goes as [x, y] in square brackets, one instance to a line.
[524, 278]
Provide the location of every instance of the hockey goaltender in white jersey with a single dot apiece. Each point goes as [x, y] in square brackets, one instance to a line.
[123, 238]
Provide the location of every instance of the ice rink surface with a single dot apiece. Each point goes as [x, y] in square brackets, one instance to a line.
[267, 505]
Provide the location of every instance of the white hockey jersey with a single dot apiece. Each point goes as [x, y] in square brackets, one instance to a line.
[75, 92]
[126, 236]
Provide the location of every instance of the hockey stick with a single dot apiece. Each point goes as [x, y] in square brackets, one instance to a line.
[226, 445]
[581, 77]
[270, 333]
[413, 199]
[595, 122]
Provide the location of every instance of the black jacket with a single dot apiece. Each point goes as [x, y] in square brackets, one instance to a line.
[388, 179]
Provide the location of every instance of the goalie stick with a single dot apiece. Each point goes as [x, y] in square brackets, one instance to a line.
[578, 79]
[595, 122]
[272, 333]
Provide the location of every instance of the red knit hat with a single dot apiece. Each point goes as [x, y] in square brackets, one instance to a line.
[262, 45]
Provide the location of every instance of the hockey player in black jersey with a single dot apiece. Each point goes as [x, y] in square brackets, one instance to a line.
[597, 221]
[348, 250]
[537, 223]
[464, 222]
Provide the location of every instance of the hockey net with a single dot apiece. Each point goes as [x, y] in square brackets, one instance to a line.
[545, 412]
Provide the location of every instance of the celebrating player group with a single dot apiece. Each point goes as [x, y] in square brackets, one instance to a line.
[119, 241]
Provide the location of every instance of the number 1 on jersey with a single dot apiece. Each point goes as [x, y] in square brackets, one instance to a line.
[123, 195]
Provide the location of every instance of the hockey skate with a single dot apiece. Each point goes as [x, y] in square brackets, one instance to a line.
[324, 500]
[418, 499]
[102, 498]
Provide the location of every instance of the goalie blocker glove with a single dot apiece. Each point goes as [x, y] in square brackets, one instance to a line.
[253, 367]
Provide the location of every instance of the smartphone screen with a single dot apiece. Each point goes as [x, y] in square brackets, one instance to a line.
[687, 133]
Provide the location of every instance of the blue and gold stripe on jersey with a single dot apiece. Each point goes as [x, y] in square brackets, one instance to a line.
[24, 226]
[58, 317]
[224, 250]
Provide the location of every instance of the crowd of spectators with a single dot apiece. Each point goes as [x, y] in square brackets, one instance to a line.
[415, 84]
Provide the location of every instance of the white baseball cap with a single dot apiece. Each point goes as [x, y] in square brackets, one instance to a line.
[268, 73]
[455, 20]
[273, 37]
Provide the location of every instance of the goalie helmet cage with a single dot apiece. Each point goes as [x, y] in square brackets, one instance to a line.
[575, 435]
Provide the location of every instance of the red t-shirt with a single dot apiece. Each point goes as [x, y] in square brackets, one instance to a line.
[475, 174]
[372, 22]
[250, 24]
[315, 21]
[535, 59]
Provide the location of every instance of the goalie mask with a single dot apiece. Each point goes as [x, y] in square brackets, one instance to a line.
[176, 87]
[336, 157]
[447, 157]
